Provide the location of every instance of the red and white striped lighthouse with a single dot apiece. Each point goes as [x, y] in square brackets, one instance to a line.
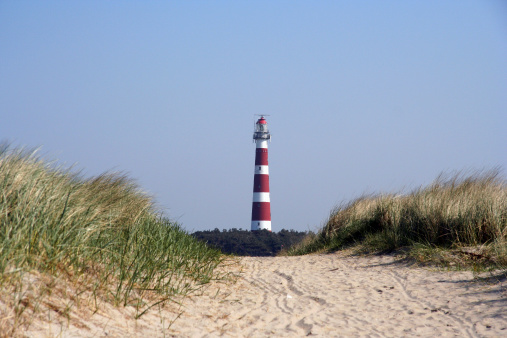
[261, 205]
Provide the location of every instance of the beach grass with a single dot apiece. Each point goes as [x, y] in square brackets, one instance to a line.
[459, 219]
[102, 235]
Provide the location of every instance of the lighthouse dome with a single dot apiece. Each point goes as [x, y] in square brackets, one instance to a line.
[262, 120]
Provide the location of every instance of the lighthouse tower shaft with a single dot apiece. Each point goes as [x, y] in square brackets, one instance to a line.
[261, 205]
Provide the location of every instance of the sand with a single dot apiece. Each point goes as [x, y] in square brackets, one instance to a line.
[326, 295]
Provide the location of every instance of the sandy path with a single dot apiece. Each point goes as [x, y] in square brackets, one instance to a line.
[343, 295]
[330, 295]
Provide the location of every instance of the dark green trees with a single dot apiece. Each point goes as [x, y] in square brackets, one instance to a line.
[250, 243]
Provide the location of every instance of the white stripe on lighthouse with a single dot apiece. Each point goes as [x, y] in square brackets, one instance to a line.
[259, 225]
[262, 169]
[261, 197]
[261, 143]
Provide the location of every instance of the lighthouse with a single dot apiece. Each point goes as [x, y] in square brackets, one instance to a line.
[261, 205]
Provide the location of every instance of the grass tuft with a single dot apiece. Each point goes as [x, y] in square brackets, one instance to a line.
[455, 212]
[101, 234]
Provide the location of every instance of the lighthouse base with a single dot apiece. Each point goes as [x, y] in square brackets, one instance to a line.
[261, 225]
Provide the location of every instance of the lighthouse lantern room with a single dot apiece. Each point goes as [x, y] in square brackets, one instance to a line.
[261, 205]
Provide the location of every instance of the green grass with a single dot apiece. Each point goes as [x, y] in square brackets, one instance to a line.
[464, 215]
[101, 234]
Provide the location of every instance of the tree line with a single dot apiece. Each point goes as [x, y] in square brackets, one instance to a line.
[250, 243]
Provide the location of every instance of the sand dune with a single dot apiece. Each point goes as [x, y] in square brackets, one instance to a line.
[329, 295]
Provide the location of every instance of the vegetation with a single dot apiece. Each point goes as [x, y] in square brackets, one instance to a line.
[250, 243]
[102, 235]
[460, 219]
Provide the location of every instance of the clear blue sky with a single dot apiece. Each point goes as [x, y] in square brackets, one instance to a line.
[363, 97]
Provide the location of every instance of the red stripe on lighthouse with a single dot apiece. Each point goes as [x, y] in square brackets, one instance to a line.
[261, 211]
[261, 156]
[261, 183]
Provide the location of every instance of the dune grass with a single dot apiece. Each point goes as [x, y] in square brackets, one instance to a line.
[101, 234]
[463, 215]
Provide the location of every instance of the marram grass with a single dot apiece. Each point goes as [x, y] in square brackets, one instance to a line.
[466, 213]
[103, 234]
